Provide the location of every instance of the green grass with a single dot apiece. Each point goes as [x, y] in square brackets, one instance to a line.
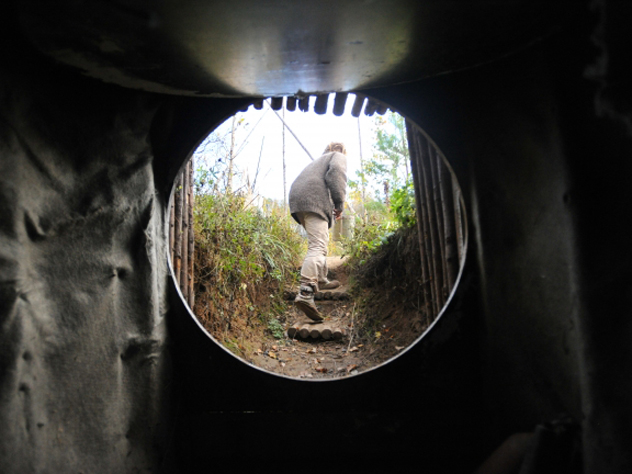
[245, 259]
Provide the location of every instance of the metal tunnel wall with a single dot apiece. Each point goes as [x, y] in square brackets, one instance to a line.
[103, 369]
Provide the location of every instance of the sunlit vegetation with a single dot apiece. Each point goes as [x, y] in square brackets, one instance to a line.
[245, 258]
[248, 249]
[382, 192]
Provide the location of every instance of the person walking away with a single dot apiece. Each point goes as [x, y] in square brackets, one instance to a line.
[316, 199]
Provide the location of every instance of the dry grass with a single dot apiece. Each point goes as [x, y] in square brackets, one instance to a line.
[243, 262]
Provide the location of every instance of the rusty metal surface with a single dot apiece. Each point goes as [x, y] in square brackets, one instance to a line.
[280, 47]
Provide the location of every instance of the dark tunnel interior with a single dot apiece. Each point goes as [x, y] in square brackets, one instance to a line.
[102, 367]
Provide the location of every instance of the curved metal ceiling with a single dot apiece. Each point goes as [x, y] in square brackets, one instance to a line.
[278, 47]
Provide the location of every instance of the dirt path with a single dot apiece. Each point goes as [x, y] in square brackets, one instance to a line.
[320, 358]
[369, 339]
[316, 358]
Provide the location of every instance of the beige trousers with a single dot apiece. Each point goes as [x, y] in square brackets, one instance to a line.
[314, 269]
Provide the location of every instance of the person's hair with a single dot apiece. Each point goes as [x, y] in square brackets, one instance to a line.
[336, 146]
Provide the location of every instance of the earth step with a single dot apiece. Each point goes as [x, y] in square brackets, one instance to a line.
[303, 330]
[321, 295]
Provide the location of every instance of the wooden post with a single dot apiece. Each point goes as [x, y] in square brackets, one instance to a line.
[371, 107]
[285, 204]
[191, 247]
[172, 229]
[339, 103]
[290, 103]
[439, 220]
[436, 195]
[293, 330]
[458, 218]
[431, 222]
[320, 106]
[184, 251]
[303, 104]
[304, 331]
[414, 147]
[177, 241]
[447, 205]
[357, 105]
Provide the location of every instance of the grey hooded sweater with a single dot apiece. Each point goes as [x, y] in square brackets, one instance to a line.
[321, 187]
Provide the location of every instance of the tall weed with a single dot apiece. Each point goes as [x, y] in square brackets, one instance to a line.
[245, 259]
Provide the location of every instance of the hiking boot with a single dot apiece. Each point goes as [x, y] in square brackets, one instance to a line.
[305, 302]
[330, 285]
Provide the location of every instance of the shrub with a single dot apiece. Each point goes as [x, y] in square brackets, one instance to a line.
[381, 224]
[403, 205]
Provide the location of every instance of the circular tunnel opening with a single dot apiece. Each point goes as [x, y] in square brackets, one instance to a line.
[393, 258]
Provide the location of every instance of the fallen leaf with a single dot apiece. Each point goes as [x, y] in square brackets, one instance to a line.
[272, 355]
[321, 369]
[399, 348]
[275, 348]
[378, 334]
[354, 349]
[352, 367]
